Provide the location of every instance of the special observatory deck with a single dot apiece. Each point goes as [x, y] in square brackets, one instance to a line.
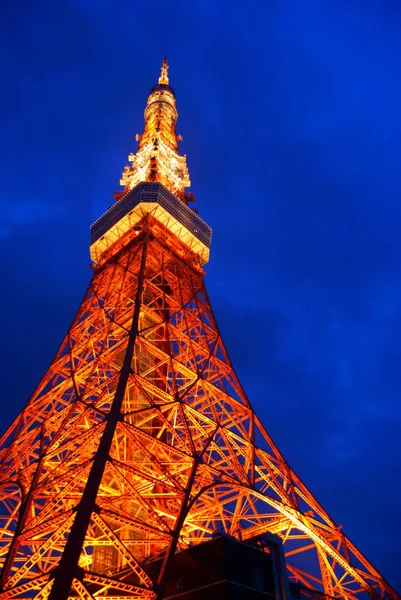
[155, 199]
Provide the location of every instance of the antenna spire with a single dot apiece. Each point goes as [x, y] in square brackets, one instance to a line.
[157, 157]
[163, 79]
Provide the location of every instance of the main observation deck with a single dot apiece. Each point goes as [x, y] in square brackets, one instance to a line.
[155, 199]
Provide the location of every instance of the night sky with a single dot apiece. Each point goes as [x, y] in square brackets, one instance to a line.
[290, 114]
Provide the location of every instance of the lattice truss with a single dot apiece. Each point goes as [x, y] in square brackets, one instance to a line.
[140, 441]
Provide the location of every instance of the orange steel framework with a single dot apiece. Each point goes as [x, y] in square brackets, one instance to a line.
[139, 440]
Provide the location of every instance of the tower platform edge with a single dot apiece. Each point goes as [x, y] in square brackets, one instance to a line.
[155, 199]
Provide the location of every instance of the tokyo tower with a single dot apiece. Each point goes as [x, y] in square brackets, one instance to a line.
[139, 442]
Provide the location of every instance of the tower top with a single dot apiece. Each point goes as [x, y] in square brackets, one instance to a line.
[157, 158]
[163, 79]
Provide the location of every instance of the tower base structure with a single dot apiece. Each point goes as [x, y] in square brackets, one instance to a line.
[139, 443]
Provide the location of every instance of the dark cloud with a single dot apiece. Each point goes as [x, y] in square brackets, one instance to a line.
[290, 117]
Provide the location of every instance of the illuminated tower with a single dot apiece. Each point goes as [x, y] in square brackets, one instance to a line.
[139, 440]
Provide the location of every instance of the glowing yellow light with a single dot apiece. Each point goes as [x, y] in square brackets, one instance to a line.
[157, 158]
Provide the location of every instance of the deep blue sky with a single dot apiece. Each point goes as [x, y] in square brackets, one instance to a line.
[290, 112]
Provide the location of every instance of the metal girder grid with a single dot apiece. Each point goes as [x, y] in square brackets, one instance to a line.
[140, 440]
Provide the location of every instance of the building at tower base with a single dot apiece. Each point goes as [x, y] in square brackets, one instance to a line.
[225, 568]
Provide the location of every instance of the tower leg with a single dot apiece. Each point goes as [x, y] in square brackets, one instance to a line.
[68, 565]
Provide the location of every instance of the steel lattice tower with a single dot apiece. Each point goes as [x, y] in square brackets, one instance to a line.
[140, 440]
